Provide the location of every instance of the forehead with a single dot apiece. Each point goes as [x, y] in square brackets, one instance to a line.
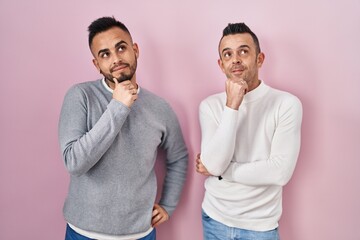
[234, 41]
[109, 38]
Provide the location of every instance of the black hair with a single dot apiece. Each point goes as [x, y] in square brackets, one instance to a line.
[103, 24]
[236, 28]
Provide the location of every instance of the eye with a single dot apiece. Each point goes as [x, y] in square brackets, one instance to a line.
[227, 55]
[104, 55]
[121, 48]
[243, 52]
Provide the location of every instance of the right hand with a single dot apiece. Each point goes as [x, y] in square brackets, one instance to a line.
[235, 92]
[125, 92]
[199, 166]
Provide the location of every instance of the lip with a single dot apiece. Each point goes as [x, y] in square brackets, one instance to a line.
[237, 71]
[119, 68]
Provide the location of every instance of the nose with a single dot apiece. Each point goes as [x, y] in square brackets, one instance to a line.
[236, 59]
[116, 58]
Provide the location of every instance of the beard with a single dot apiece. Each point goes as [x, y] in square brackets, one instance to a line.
[123, 76]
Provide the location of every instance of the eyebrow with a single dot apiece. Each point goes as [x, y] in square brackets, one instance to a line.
[116, 46]
[241, 46]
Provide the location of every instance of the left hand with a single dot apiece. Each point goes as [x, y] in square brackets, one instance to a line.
[200, 168]
[159, 215]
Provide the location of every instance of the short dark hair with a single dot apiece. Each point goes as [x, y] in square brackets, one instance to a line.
[103, 24]
[236, 28]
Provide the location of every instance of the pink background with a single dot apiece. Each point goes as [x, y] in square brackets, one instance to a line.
[311, 50]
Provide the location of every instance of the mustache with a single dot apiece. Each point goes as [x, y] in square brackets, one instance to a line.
[238, 67]
[119, 65]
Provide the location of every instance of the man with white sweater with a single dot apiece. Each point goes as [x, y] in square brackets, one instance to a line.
[110, 131]
[250, 144]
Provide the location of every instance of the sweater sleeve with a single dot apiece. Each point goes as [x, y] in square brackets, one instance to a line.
[176, 163]
[218, 138]
[81, 147]
[278, 168]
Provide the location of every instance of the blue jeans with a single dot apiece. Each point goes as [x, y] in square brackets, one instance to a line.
[72, 235]
[214, 230]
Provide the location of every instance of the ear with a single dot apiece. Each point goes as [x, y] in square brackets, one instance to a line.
[260, 59]
[221, 65]
[96, 64]
[136, 50]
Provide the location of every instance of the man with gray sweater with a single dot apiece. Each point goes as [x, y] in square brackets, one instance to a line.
[109, 132]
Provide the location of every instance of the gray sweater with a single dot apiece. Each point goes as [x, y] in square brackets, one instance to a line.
[110, 151]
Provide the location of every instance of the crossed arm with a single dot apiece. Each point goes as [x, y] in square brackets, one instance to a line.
[276, 169]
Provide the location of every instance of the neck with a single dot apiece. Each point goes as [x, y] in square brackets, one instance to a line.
[254, 85]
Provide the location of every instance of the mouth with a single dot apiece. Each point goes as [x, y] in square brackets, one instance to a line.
[238, 69]
[119, 67]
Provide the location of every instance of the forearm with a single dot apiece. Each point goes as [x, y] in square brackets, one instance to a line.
[218, 141]
[278, 167]
[83, 148]
[176, 164]
[277, 170]
[173, 184]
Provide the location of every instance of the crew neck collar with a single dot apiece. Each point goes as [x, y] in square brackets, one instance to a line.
[256, 93]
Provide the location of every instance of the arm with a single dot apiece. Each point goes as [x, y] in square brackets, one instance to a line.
[176, 163]
[285, 147]
[215, 133]
[81, 147]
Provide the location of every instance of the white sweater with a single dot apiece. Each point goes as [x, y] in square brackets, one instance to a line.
[255, 150]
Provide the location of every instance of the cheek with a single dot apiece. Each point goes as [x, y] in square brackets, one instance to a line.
[226, 67]
[104, 65]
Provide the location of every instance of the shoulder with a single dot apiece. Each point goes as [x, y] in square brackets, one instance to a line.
[87, 86]
[215, 101]
[284, 100]
[150, 98]
[281, 95]
[84, 87]
[155, 105]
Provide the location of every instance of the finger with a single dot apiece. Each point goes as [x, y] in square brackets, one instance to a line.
[235, 80]
[126, 83]
[197, 159]
[201, 169]
[245, 88]
[155, 224]
[155, 212]
[116, 81]
[156, 220]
